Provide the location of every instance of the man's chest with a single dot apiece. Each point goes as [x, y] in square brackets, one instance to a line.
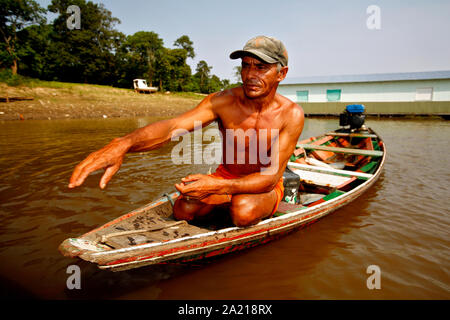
[246, 131]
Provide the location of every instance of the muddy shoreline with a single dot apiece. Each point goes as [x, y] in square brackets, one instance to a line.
[77, 101]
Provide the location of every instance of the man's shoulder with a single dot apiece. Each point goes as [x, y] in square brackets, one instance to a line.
[231, 93]
[225, 97]
[217, 99]
[291, 109]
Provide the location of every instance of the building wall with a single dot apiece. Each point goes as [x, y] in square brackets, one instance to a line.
[392, 91]
[380, 108]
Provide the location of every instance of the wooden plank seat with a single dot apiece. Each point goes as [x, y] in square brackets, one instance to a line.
[351, 135]
[320, 179]
[323, 155]
[315, 141]
[338, 172]
[362, 152]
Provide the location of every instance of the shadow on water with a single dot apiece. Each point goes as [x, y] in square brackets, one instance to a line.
[11, 290]
[105, 284]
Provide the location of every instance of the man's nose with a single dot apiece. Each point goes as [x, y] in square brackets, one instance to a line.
[253, 72]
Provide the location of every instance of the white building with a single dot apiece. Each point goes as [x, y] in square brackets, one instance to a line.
[390, 93]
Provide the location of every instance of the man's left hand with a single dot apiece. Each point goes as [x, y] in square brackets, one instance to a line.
[199, 186]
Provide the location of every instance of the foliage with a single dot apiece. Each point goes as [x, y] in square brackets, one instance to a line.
[14, 16]
[96, 53]
[84, 55]
[207, 83]
[237, 73]
[10, 79]
[32, 47]
[185, 43]
[173, 72]
[202, 75]
[137, 56]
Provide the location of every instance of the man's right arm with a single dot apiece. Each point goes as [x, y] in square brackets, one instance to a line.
[150, 137]
[156, 134]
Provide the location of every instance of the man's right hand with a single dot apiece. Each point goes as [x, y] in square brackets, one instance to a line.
[110, 158]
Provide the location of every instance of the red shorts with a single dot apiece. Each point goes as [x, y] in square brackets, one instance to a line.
[222, 173]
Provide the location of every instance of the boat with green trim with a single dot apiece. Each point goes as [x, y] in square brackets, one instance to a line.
[324, 173]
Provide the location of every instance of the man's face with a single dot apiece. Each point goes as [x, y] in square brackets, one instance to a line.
[258, 78]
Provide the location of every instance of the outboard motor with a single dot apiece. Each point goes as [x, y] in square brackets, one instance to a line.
[353, 116]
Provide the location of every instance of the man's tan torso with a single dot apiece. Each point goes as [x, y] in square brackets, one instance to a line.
[233, 113]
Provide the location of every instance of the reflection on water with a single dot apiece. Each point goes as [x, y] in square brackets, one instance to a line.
[401, 224]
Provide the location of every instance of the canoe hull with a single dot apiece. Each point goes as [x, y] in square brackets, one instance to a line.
[234, 241]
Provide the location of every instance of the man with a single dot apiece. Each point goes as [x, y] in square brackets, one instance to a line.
[251, 189]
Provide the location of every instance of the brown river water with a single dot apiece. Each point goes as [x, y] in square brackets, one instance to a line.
[400, 225]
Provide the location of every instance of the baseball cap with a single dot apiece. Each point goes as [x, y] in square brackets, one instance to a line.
[268, 49]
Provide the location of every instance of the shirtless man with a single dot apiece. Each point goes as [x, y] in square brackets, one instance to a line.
[250, 190]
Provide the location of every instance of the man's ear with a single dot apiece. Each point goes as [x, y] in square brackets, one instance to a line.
[282, 73]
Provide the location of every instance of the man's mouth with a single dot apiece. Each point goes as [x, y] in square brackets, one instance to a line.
[252, 86]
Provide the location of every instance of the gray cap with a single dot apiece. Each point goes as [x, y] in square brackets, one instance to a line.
[268, 49]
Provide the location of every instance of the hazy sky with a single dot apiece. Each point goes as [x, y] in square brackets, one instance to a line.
[323, 37]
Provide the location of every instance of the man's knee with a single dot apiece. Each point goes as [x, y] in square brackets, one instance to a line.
[183, 210]
[243, 211]
[189, 210]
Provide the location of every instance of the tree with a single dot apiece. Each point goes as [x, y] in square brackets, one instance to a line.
[214, 84]
[96, 52]
[202, 74]
[172, 71]
[138, 55]
[226, 83]
[237, 73]
[203, 82]
[32, 47]
[14, 16]
[185, 43]
[84, 55]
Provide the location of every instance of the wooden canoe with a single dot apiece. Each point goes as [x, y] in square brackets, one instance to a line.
[334, 169]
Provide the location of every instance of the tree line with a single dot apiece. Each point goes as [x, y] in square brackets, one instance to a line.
[96, 53]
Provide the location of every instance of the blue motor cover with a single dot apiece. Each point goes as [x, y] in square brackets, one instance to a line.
[355, 108]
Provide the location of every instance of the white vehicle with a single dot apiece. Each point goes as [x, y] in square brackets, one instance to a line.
[140, 86]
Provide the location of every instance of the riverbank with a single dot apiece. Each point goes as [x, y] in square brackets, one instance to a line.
[46, 100]
[58, 100]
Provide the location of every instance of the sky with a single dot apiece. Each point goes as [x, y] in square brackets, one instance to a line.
[322, 37]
